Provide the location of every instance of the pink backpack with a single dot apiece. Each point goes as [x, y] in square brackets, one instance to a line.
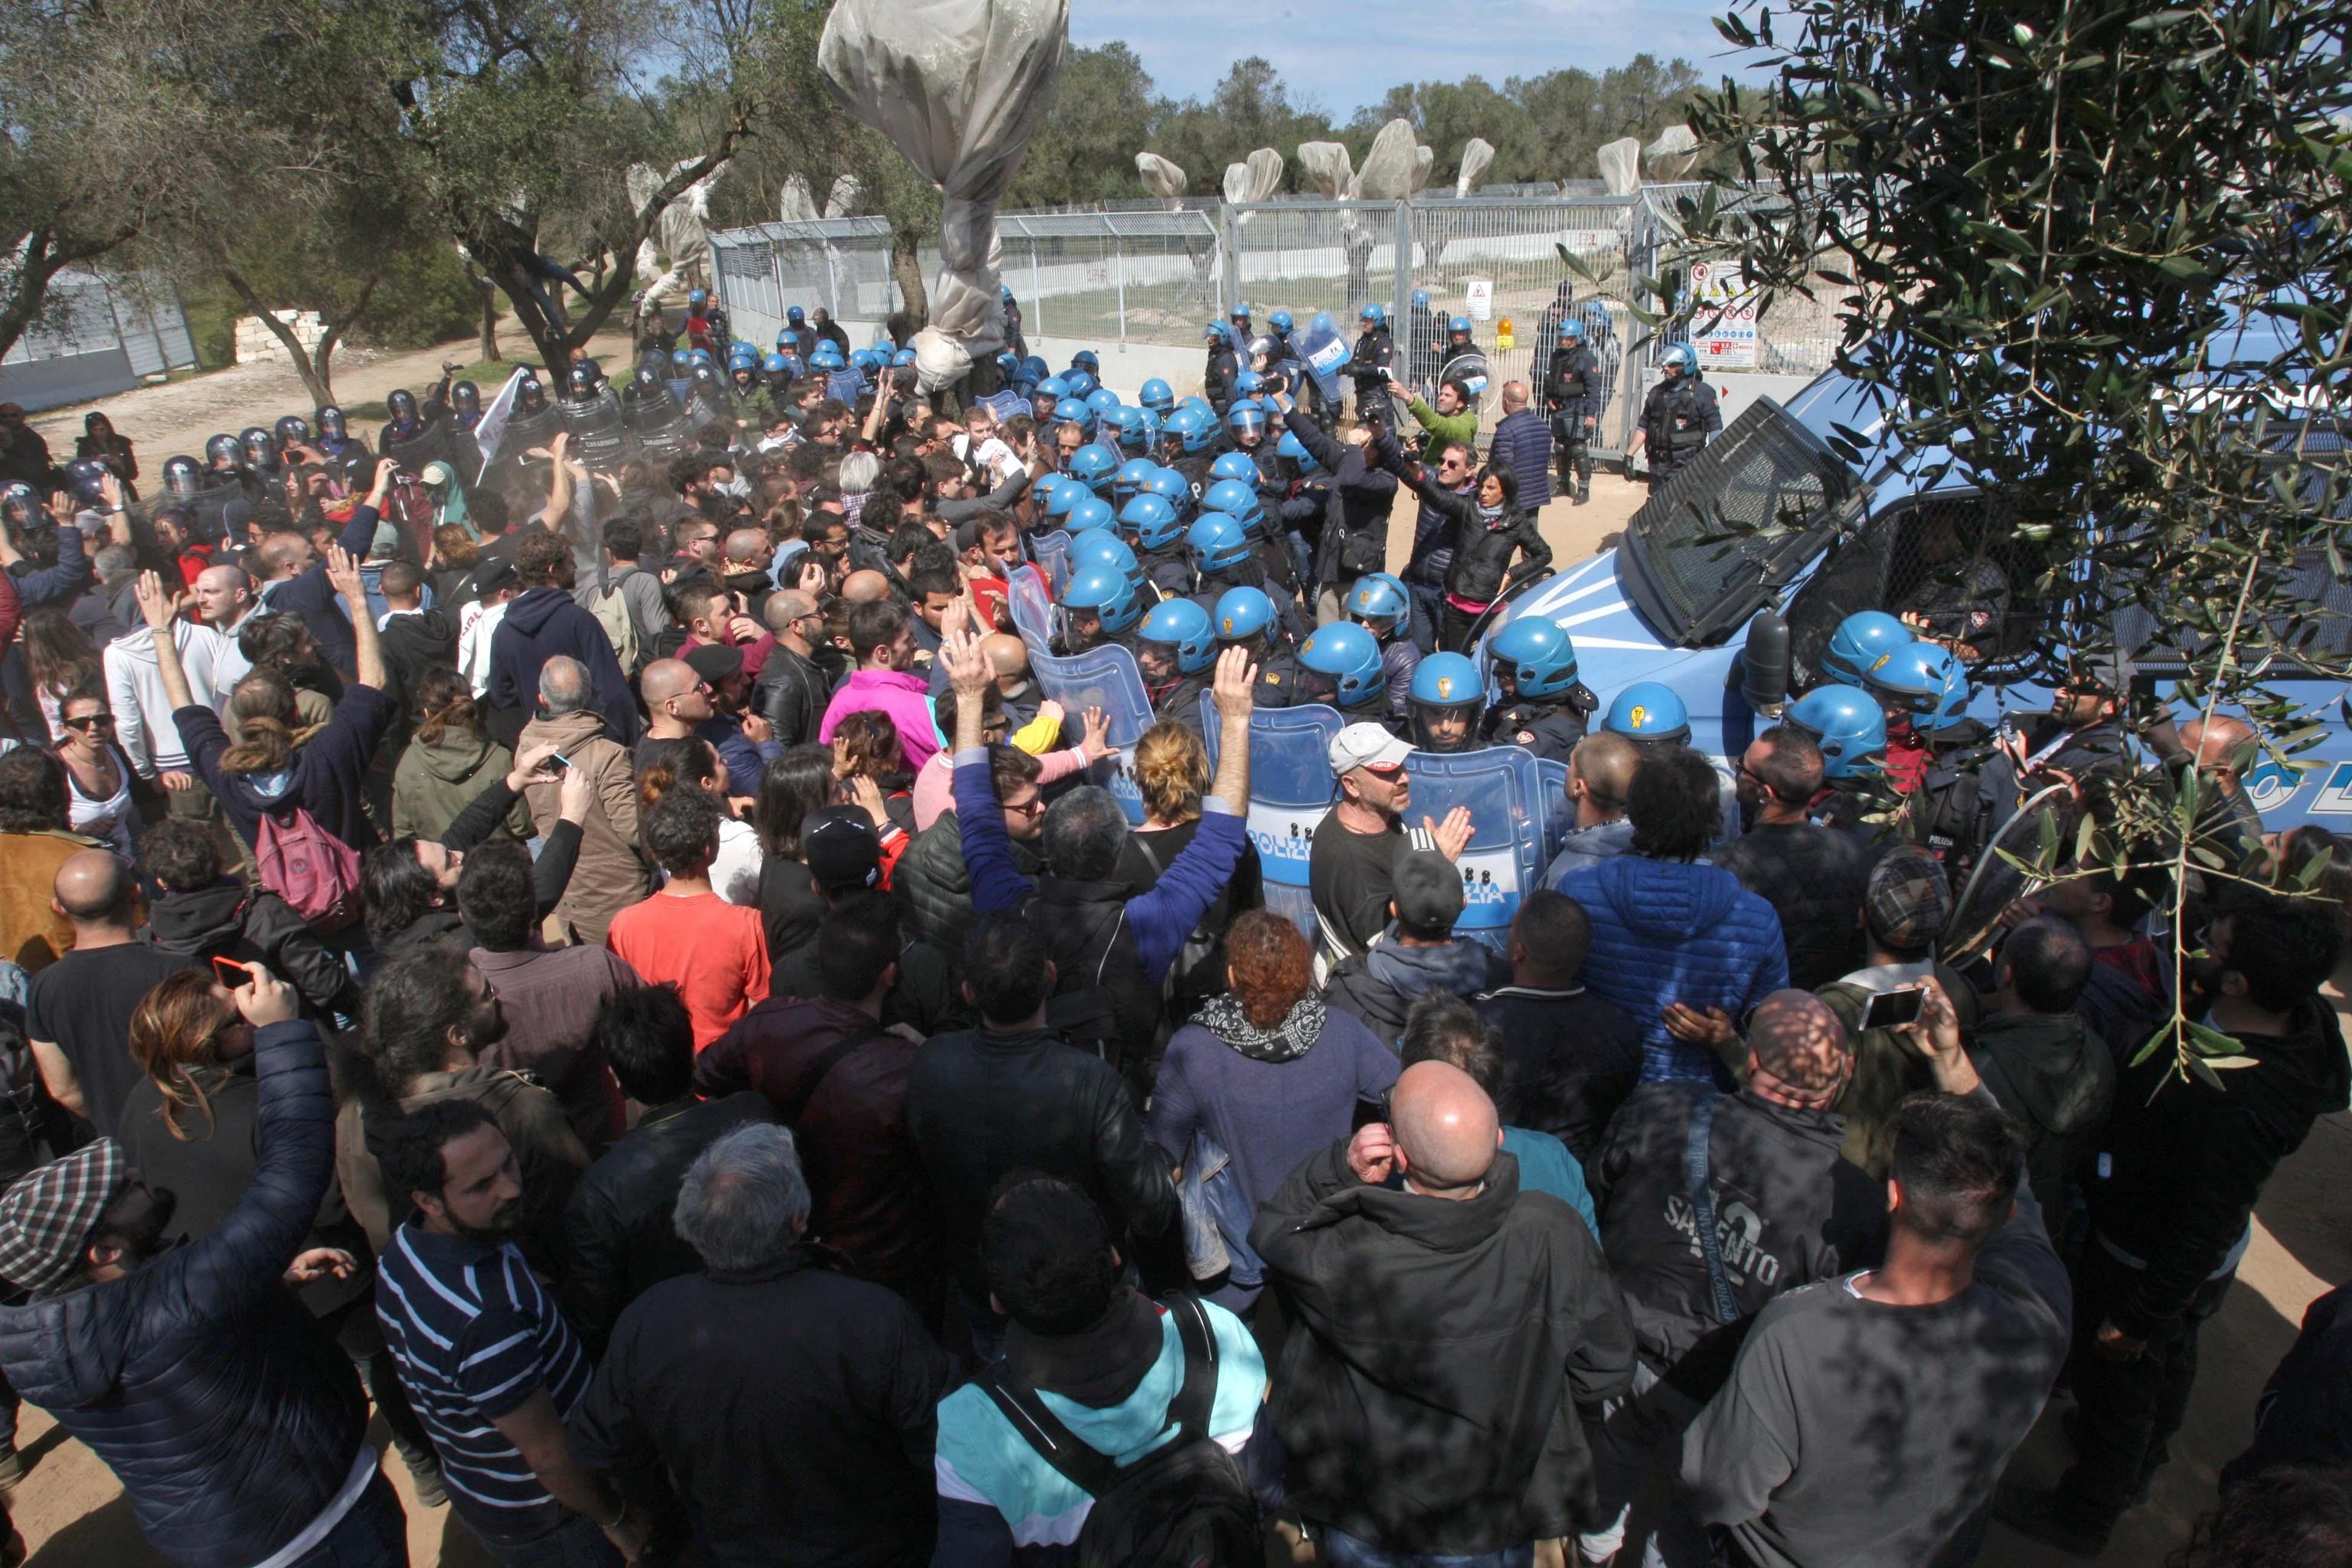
[315, 872]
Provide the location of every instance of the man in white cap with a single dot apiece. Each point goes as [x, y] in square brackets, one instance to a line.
[1351, 860]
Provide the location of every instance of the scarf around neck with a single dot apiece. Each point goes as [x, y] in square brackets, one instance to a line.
[1287, 1041]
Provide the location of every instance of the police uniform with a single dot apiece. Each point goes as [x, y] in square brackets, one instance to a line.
[1677, 417]
[1178, 702]
[1549, 729]
[1571, 389]
[1277, 679]
[1217, 377]
[1169, 573]
[1950, 811]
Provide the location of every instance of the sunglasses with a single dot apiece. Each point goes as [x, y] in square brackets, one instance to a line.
[90, 721]
[1030, 807]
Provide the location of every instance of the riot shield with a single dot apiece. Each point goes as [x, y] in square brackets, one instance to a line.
[599, 438]
[211, 509]
[1004, 405]
[1032, 609]
[1467, 371]
[1053, 551]
[1504, 861]
[1104, 677]
[429, 445]
[660, 426]
[1326, 353]
[1558, 811]
[514, 473]
[2039, 831]
[1290, 789]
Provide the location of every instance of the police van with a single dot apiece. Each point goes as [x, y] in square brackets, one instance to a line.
[1731, 579]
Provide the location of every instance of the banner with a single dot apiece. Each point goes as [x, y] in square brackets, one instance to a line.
[491, 428]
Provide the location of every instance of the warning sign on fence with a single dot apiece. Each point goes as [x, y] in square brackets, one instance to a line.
[1723, 325]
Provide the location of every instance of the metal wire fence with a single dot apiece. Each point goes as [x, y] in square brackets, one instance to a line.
[1152, 275]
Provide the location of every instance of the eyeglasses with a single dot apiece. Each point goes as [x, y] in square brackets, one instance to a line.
[1030, 807]
[90, 721]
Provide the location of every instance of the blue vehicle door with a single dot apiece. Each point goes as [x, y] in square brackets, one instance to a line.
[1104, 677]
[1290, 789]
[1504, 860]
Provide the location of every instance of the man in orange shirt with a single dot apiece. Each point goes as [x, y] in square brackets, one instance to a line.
[715, 953]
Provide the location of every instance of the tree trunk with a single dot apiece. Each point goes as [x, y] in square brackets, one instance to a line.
[906, 265]
[489, 294]
[27, 286]
[313, 376]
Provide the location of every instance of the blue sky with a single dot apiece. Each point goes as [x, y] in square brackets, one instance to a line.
[1336, 52]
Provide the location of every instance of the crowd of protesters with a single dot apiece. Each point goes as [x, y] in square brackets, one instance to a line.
[634, 981]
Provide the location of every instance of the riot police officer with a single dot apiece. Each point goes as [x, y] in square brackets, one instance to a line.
[1245, 617]
[1238, 499]
[1679, 416]
[1157, 398]
[1850, 731]
[1915, 685]
[1371, 366]
[403, 421]
[261, 457]
[334, 436]
[1157, 534]
[1174, 648]
[1217, 375]
[1448, 699]
[1458, 343]
[465, 404]
[1543, 706]
[1099, 607]
[1858, 642]
[1225, 558]
[1339, 664]
[1378, 603]
[1572, 395]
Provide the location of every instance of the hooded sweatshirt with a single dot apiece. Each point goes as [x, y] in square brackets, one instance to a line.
[1673, 930]
[1380, 985]
[229, 919]
[541, 624]
[2052, 1074]
[134, 691]
[434, 783]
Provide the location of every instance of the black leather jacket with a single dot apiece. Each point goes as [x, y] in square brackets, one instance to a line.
[980, 1104]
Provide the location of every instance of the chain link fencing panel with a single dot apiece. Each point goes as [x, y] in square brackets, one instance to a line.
[1311, 256]
[1136, 277]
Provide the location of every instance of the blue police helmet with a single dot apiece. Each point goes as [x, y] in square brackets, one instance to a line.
[1052, 386]
[1094, 465]
[1194, 428]
[1922, 678]
[1034, 369]
[1845, 723]
[1237, 499]
[1233, 465]
[794, 316]
[1240, 312]
[1350, 656]
[1280, 323]
[1647, 711]
[1421, 299]
[1247, 416]
[1683, 357]
[1859, 641]
[743, 356]
[1158, 396]
[696, 297]
[828, 356]
[1292, 448]
[904, 357]
[1130, 477]
[1541, 658]
[1101, 547]
[681, 359]
[1060, 493]
[1242, 614]
[1570, 327]
[1102, 400]
[1376, 314]
[1106, 591]
[704, 356]
[1004, 292]
[1379, 596]
[1086, 360]
[1185, 626]
[1070, 411]
[1135, 427]
[787, 338]
[1447, 680]
[1217, 333]
[865, 360]
[776, 364]
[1088, 512]
[1217, 540]
[1458, 324]
[1170, 486]
[1082, 383]
[1152, 519]
[1248, 383]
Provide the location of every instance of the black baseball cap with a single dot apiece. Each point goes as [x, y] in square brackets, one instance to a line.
[843, 851]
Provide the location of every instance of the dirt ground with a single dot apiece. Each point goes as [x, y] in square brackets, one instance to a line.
[73, 1515]
[181, 416]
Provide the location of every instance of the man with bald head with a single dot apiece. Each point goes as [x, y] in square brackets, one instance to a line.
[610, 874]
[2223, 750]
[1787, 1210]
[1445, 1330]
[866, 587]
[77, 1015]
[676, 699]
[796, 681]
[225, 599]
[1009, 657]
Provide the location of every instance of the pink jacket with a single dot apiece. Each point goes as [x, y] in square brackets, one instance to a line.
[934, 787]
[905, 698]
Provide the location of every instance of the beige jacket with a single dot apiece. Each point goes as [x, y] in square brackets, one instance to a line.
[611, 876]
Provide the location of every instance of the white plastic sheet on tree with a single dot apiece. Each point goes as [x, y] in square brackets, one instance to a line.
[798, 206]
[1161, 177]
[1620, 165]
[842, 200]
[681, 239]
[1673, 155]
[1388, 171]
[1477, 158]
[1254, 180]
[1328, 166]
[1424, 159]
[959, 86]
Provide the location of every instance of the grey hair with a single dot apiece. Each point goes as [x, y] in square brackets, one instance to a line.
[1084, 832]
[859, 470]
[744, 1200]
[115, 563]
[563, 685]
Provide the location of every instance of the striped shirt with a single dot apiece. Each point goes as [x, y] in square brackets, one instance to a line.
[474, 1335]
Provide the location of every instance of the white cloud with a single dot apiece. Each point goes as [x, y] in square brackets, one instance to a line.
[1334, 54]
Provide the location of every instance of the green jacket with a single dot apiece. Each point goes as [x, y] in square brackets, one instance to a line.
[1444, 429]
[432, 785]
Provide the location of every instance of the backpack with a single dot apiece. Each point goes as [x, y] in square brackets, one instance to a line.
[1183, 1505]
[611, 613]
[315, 872]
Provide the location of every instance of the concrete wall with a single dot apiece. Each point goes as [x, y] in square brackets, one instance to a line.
[256, 344]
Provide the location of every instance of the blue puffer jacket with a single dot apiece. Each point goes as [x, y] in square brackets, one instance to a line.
[1671, 931]
[230, 1418]
[1523, 444]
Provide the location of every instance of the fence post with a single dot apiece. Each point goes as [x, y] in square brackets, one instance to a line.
[1119, 261]
[1229, 257]
[1037, 290]
[1400, 317]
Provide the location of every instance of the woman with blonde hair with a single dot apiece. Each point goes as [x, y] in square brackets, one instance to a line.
[1172, 772]
[1264, 1076]
[448, 762]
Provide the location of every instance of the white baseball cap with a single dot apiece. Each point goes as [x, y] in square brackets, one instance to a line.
[1367, 746]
